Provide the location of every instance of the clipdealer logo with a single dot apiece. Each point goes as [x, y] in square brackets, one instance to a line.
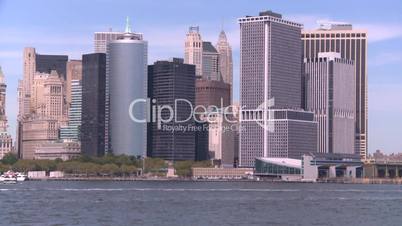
[167, 114]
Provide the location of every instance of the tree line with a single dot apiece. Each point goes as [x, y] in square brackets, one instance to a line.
[108, 165]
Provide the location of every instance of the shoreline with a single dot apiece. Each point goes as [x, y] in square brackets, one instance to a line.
[133, 179]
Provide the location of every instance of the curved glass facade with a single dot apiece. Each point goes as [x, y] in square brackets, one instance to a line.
[270, 169]
[127, 81]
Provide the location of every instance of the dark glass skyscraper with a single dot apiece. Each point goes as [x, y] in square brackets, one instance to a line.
[93, 104]
[170, 81]
[46, 63]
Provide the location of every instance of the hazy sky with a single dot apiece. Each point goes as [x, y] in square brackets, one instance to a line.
[67, 27]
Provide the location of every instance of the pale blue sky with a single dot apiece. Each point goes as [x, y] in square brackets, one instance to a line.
[67, 27]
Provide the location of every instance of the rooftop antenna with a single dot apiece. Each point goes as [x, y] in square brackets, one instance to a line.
[128, 25]
[223, 21]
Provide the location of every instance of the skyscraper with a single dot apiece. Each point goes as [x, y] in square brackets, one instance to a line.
[6, 142]
[103, 38]
[34, 63]
[193, 49]
[127, 82]
[48, 113]
[92, 131]
[47, 96]
[330, 94]
[212, 93]
[170, 81]
[74, 72]
[47, 63]
[225, 60]
[210, 62]
[71, 131]
[352, 45]
[270, 78]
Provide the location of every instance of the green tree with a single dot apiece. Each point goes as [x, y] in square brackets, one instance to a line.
[109, 169]
[9, 159]
[155, 165]
[4, 168]
[127, 170]
[25, 166]
[183, 168]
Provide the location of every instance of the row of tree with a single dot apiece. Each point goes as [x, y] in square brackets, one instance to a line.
[109, 165]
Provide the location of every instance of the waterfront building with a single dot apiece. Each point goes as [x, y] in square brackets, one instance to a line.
[352, 45]
[225, 60]
[36, 131]
[126, 82]
[312, 167]
[58, 150]
[6, 142]
[221, 173]
[330, 94]
[169, 81]
[270, 78]
[71, 131]
[92, 131]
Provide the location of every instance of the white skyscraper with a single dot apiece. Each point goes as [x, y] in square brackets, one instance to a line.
[193, 49]
[6, 142]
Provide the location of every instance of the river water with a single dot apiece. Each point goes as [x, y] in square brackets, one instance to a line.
[198, 203]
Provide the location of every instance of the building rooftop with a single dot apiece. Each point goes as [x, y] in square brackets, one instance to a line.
[270, 13]
[288, 162]
[208, 47]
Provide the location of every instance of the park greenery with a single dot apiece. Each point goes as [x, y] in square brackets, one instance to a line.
[108, 165]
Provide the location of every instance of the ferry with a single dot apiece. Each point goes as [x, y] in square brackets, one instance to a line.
[10, 177]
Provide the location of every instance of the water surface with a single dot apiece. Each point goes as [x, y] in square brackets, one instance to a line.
[198, 203]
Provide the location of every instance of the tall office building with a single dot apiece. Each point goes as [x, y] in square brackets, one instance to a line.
[48, 97]
[212, 93]
[352, 45]
[92, 131]
[193, 49]
[48, 113]
[6, 142]
[47, 63]
[270, 78]
[34, 63]
[72, 130]
[210, 62]
[222, 134]
[103, 38]
[330, 94]
[127, 82]
[225, 60]
[169, 81]
[74, 72]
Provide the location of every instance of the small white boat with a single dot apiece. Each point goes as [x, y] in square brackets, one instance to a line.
[9, 178]
[21, 177]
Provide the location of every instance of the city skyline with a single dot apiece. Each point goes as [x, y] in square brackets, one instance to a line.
[382, 63]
